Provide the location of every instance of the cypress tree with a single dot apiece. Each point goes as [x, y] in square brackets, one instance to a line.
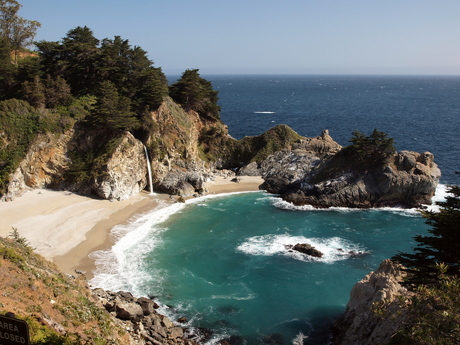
[441, 248]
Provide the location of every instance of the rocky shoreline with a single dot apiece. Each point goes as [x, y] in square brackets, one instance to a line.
[139, 317]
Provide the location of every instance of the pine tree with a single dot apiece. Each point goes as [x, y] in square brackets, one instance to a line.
[442, 248]
[195, 93]
[112, 110]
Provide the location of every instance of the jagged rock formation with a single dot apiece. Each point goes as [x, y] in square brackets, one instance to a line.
[45, 161]
[375, 310]
[186, 149]
[49, 159]
[126, 171]
[406, 179]
[140, 318]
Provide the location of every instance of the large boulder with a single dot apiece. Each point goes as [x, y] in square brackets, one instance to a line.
[126, 173]
[405, 179]
[361, 323]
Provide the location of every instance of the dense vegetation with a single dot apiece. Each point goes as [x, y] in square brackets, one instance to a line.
[439, 252]
[434, 275]
[105, 87]
[370, 150]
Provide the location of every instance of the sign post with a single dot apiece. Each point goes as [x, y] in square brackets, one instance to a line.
[13, 331]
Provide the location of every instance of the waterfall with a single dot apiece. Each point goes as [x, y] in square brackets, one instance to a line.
[149, 168]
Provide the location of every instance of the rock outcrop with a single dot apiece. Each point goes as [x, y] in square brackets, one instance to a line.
[138, 316]
[375, 310]
[45, 162]
[307, 249]
[330, 179]
[49, 159]
[126, 173]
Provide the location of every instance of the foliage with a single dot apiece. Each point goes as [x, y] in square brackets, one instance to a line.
[434, 315]
[369, 150]
[20, 123]
[16, 31]
[258, 148]
[88, 162]
[441, 247]
[112, 110]
[31, 280]
[195, 93]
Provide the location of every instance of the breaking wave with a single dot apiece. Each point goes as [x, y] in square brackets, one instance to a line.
[333, 249]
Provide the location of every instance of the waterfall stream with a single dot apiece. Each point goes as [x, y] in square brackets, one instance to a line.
[149, 168]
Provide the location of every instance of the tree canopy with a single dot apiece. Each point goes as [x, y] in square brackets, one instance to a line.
[195, 93]
[370, 150]
[16, 31]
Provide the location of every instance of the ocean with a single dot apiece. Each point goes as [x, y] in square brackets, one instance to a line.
[221, 261]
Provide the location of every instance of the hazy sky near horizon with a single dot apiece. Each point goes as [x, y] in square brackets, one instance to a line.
[270, 36]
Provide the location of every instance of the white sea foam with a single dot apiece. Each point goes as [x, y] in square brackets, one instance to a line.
[333, 249]
[440, 195]
[264, 112]
[299, 339]
[121, 267]
[235, 297]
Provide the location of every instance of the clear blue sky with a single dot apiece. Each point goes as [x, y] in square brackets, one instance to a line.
[270, 36]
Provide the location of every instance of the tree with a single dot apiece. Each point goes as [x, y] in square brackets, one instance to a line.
[370, 150]
[441, 249]
[77, 60]
[34, 92]
[15, 30]
[195, 93]
[112, 110]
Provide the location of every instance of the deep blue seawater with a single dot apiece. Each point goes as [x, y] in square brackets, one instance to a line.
[221, 261]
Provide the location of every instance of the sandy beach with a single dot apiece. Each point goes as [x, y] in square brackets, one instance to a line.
[65, 227]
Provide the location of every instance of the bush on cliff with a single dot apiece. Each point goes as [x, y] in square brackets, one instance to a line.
[433, 312]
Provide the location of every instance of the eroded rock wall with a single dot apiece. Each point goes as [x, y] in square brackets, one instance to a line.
[374, 312]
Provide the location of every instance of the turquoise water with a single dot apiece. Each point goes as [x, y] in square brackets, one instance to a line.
[222, 262]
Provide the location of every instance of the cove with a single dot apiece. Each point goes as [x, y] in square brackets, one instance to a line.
[222, 263]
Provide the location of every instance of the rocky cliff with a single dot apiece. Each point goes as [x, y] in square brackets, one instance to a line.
[186, 149]
[325, 176]
[48, 164]
[375, 311]
[114, 166]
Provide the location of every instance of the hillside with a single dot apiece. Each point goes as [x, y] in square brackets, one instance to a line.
[58, 309]
[61, 309]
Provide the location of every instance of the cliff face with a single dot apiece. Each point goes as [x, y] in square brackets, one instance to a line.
[406, 179]
[87, 161]
[45, 162]
[48, 162]
[186, 149]
[375, 310]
